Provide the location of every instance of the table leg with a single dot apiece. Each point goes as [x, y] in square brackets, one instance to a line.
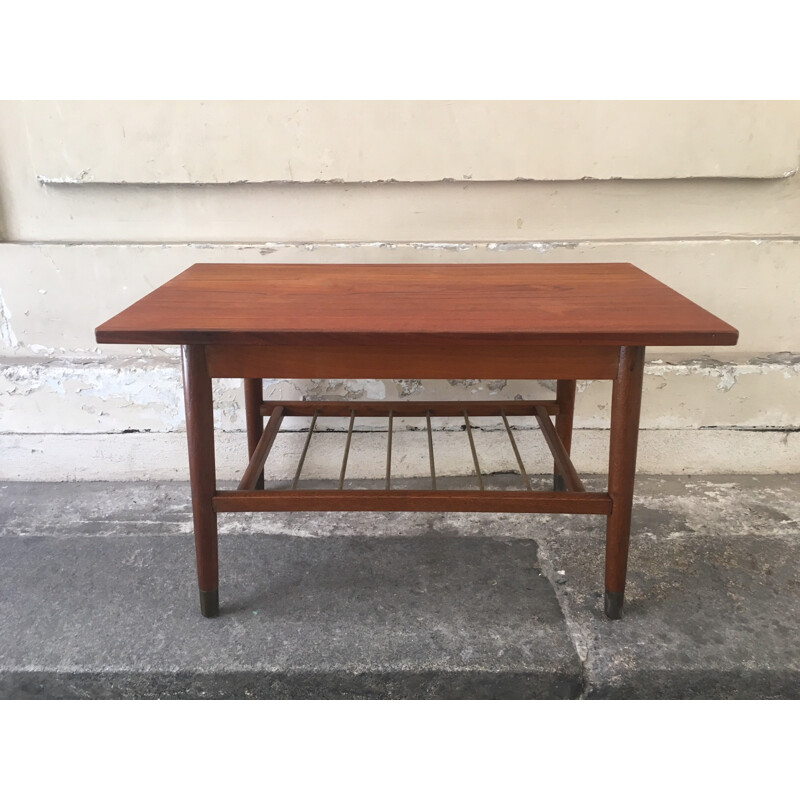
[202, 472]
[253, 398]
[565, 397]
[626, 401]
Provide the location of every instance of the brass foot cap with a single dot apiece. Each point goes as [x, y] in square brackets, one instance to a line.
[614, 601]
[209, 603]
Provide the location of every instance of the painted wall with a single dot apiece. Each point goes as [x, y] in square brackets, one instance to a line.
[101, 202]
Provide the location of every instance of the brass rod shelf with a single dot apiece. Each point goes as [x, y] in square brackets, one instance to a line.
[576, 500]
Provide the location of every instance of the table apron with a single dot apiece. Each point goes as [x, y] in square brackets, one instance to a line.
[433, 359]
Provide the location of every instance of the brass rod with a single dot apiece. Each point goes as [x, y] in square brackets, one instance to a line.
[474, 452]
[389, 453]
[516, 452]
[430, 451]
[346, 449]
[305, 450]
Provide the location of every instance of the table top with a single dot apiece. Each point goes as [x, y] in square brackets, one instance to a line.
[599, 304]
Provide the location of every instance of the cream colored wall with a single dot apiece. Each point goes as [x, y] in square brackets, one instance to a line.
[100, 202]
[230, 142]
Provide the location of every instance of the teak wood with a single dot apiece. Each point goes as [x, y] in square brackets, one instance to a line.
[563, 322]
[253, 399]
[565, 401]
[563, 465]
[550, 304]
[254, 473]
[202, 474]
[411, 408]
[421, 500]
[433, 356]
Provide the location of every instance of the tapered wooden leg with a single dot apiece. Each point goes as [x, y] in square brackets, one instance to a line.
[253, 398]
[202, 472]
[626, 401]
[565, 397]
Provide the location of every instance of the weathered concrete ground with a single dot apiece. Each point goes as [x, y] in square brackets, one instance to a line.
[98, 599]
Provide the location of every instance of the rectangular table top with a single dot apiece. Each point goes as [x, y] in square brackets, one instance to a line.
[568, 304]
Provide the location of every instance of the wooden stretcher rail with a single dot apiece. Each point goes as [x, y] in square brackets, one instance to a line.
[416, 500]
[565, 466]
[401, 408]
[253, 471]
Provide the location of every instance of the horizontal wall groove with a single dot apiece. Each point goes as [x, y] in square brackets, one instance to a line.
[536, 245]
[67, 183]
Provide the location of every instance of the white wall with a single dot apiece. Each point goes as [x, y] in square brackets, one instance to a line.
[101, 202]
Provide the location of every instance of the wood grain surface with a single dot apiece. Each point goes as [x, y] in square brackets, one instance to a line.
[415, 355]
[414, 500]
[601, 304]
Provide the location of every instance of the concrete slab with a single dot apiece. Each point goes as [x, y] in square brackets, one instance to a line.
[97, 598]
[713, 598]
[705, 619]
[441, 616]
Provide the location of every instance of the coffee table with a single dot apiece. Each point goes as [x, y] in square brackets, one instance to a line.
[560, 322]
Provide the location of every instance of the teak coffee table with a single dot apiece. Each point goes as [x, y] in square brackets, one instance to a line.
[344, 321]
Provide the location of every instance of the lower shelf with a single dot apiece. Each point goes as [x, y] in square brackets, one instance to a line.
[576, 500]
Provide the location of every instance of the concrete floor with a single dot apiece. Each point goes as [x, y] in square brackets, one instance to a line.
[98, 598]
